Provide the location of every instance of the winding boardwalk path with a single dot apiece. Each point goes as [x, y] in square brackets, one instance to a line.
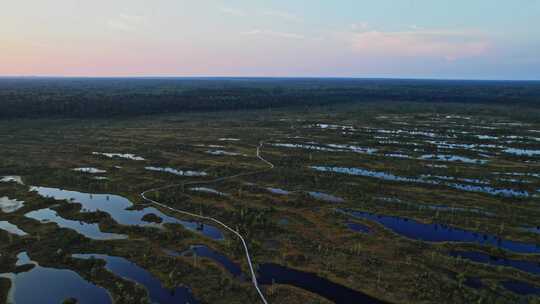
[211, 219]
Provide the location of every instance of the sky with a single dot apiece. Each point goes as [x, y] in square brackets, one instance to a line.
[464, 39]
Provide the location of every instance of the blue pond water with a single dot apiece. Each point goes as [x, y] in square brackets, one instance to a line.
[522, 152]
[117, 206]
[128, 270]
[521, 288]
[49, 285]
[424, 180]
[339, 294]
[325, 197]
[10, 228]
[530, 267]
[209, 190]
[278, 191]
[177, 172]
[91, 231]
[358, 227]
[205, 252]
[533, 229]
[442, 233]
[475, 283]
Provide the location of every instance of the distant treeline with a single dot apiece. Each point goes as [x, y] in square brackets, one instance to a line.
[87, 97]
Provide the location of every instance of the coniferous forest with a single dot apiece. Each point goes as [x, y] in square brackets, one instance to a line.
[104, 97]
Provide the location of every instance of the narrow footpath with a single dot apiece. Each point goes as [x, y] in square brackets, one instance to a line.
[210, 219]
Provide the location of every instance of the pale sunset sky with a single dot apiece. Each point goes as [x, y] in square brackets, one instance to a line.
[469, 39]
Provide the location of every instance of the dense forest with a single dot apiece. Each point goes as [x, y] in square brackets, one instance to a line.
[102, 97]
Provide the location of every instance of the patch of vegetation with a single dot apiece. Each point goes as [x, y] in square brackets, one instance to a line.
[152, 218]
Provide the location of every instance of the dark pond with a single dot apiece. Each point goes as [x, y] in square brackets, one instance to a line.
[521, 288]
[117, 206]
[128, 270]
[442, 233]
[358, 227]
[91, 231]
[49, 285]
[339, 294]
[474, 283]
[530, 267]
[205, 252]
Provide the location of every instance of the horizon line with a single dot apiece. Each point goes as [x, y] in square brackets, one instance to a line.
[269, 77]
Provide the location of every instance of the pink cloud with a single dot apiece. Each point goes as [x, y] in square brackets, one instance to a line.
[448, 45]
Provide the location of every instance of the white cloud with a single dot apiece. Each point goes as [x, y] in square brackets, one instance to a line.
[360, 26]
[233, 11]
[415, 27]
[126, 22]
[444, 44]
[274, 34]
[283, 15]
